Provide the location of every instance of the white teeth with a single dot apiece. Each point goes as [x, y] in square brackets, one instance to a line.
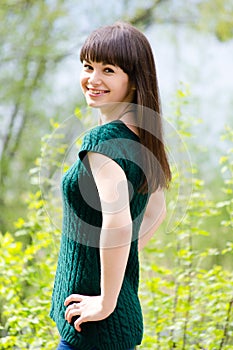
[97, 92]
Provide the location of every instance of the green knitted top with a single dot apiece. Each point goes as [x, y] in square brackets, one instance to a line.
[78, 269]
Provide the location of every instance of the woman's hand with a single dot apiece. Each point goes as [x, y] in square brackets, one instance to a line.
[87, 308]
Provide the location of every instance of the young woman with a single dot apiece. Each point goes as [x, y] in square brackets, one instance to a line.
[113, 195]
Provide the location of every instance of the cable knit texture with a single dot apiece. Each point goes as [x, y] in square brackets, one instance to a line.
[78, 269]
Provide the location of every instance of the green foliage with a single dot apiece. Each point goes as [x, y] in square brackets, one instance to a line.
[217, 16]
[30, 50]
[214, 16]
[187, 297]
[186, 292]
[26, 277]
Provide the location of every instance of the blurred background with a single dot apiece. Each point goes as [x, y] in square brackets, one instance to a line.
[39, 74]
[187, 279]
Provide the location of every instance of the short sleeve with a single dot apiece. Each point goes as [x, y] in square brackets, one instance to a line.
[107, 141]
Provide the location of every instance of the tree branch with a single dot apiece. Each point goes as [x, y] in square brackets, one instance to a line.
[144, 16]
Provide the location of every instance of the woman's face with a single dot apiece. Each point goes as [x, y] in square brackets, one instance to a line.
[104, 83]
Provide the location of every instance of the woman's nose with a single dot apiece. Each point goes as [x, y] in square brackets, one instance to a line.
[94, 78]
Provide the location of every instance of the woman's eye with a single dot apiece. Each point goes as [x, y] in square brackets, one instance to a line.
[87, 67]
[109, 70]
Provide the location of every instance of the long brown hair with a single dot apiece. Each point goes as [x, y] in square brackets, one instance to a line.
[123, 45]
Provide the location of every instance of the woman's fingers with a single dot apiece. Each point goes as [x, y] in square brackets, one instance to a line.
[71, 311]
[73, 298]
[81, 308]
[78, 322]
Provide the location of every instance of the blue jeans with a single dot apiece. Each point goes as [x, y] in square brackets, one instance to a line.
[65, 346]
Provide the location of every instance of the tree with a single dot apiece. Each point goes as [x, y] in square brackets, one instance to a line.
[215, 16]
[29, 50]
[35, 40]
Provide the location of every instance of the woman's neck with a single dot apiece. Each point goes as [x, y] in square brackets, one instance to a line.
[127, 117]
[124, 112]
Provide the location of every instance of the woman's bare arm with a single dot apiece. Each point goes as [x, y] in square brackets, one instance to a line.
[115, 239]
[116, 231]
[154, 215]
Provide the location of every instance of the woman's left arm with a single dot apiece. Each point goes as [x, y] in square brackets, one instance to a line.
[154, 216]
[115, 239]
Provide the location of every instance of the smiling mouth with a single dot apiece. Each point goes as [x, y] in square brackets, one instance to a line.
[95, 92]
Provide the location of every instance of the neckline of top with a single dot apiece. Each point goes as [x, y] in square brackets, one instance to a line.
[125, 125]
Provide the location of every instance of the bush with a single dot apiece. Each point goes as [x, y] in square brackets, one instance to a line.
[26, 278]
[187, 297]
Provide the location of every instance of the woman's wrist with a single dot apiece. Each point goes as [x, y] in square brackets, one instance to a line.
[108, 303]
